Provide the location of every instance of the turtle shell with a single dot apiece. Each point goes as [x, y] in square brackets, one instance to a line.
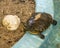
[39, 22]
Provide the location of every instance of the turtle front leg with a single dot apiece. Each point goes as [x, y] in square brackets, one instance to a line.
[41, 36]
[54, 22]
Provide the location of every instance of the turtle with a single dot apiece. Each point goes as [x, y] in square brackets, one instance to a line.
[39, 22]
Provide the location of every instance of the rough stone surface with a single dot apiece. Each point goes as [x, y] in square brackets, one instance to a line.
[23, 9]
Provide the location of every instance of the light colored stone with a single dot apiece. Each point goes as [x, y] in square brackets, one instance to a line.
[11, 22]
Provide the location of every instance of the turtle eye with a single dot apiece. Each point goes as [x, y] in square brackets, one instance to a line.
[31, 22]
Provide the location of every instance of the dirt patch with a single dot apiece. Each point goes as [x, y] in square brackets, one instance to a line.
[23, 9]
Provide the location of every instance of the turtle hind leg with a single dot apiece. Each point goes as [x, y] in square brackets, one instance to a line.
[41, 36]
[54, 22]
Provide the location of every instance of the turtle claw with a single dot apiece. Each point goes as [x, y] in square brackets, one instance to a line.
[54, 22]
[42, 36]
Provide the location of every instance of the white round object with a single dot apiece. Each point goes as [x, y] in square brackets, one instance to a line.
[11, 22]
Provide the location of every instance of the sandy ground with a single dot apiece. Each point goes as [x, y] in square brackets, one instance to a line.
[23, 9]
